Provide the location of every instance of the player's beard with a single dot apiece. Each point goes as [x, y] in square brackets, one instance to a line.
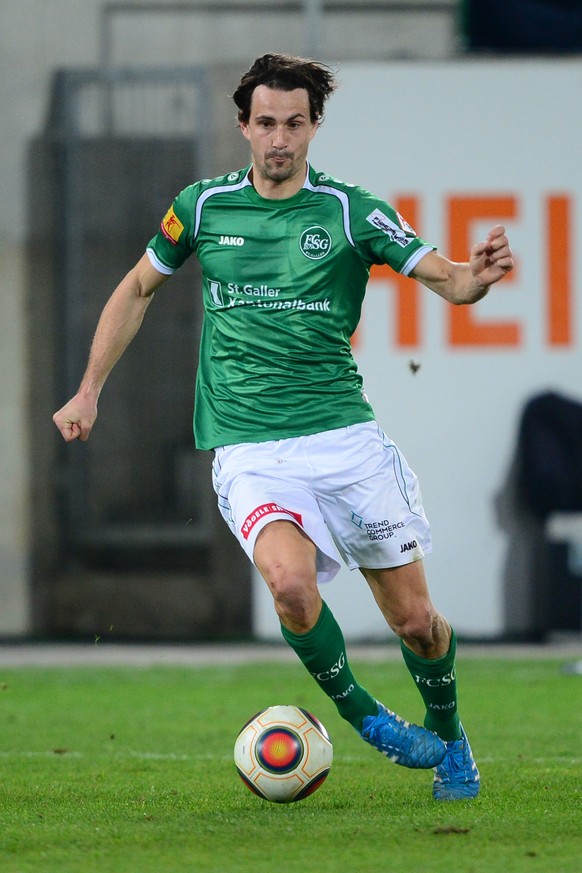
[279, 172]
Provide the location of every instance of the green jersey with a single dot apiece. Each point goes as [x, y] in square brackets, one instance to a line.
[283, 285]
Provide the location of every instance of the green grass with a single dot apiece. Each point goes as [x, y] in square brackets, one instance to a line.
[129, 770]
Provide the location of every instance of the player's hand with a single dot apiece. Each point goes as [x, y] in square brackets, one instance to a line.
[492, 259]
[76, 419]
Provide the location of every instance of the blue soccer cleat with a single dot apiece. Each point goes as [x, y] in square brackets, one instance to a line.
[457, 776]
[403, 743]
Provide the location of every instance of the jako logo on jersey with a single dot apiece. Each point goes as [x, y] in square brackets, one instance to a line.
[315, 243]
[408, 547]
[171, 226]
[390, 228]
[231, 241]
[266, 509]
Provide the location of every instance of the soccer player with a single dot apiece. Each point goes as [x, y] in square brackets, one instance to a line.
[304, 475]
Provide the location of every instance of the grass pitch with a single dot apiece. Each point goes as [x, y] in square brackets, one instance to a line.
[129, 770]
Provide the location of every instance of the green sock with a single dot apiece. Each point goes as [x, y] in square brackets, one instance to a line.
[437, 683]
[323, 651]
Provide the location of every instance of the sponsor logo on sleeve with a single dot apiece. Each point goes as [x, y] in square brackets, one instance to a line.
[171, 226]
[405, 225]
[399, 235]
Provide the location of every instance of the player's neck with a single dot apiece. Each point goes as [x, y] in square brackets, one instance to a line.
[275, 189]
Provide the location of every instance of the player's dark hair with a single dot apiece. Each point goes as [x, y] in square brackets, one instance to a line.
[286, 73]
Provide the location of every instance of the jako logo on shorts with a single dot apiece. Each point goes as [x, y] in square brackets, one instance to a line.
[315, 243]
[265, 509]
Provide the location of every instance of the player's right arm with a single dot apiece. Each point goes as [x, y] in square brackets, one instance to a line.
[119, 322]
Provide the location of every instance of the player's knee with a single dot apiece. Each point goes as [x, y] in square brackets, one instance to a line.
[416, 627]
[295, 596]
[296, 612]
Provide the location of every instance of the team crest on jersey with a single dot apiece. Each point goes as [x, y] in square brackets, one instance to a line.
[171, 226]
[400, 235]
[315, 242]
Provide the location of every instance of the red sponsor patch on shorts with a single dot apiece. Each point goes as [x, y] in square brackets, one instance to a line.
[260, 512]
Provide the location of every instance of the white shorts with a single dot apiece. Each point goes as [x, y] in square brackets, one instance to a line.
[349, 489]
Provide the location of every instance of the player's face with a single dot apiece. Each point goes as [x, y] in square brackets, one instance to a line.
[279, 130]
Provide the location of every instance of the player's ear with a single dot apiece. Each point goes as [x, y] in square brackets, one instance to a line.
[314, 129]
[244, 129]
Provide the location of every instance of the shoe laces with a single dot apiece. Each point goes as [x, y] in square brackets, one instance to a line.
[455, 761]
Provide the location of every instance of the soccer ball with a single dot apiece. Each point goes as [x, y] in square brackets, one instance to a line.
[283, 754]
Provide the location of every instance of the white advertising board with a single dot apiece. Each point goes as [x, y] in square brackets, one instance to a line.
[459, 147]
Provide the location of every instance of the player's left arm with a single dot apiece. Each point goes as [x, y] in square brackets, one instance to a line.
[488, 262]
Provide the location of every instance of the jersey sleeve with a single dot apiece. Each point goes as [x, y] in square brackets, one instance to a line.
[172, 244]
[383, 236]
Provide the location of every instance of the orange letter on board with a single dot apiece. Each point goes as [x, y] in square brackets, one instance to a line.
[464, 328]
[558, 278]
